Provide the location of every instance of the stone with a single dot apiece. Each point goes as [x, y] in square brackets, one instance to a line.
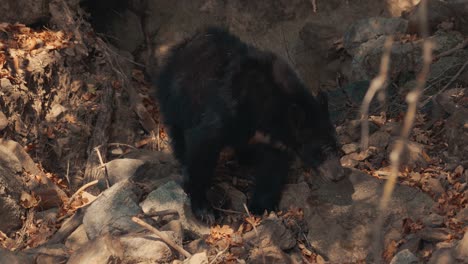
[127, 30]
[462, 215]
[111, 212]
[103, 249]
[197, 245]
[340, 215]
[3, 121]
[199, 258]
[461, 250]
[7, 256]
[412, 243]
[24, 11]
[271, 232]
[122, 169]
[436, 234]
[404, 257]
[146, 248]
[171, 196]
[271, 254]
[350, 148]
[236, 198]
[438, 12]
[379, 139]
[77, 239]
[433, 220]
[371, 28]
[348, 161]
[412, 154]
[294, 196]
[55, 112]
[435, 186]
[441, 256]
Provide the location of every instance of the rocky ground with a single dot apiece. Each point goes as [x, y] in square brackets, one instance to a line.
[83, 155]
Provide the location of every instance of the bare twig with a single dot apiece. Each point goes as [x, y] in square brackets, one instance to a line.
[227, 211]
[219, 254]
[395, 156]
[376, 85]
[106, 175]
[448, 84]
[460, 46]
[82, 188]
[162, 236]
[162, 213]
[314, 5]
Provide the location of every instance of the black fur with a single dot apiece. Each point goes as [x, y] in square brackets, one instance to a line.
[216, 91]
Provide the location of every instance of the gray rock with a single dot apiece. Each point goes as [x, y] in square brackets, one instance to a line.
[145, 248]
[3, 121]
[126, 30]
[438, 12]
[24, 11]
[456, 133]
[176, 230]
[412, 243]
[369, 29]
[10, 190]
[294, 196]
[199, 258]
[272, 254]
[197, 245]
[435, 186]
[77, 239]
[171, 196]
[55, 112]
[404, 257]
[340, 216]
[271, 232]
[350, 148]
[7, 256]
[112, 211]
[462, 215]
[353, 129]
[103, 249]
[122, 169]
[461, 250]
[236, 198]
[441, 256]
[412, 154]
[433, 220]
[379, 139]
[348, 161]
[435, 234]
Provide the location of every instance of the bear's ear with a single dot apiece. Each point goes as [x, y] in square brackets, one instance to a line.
[283, 76]
[322, 99]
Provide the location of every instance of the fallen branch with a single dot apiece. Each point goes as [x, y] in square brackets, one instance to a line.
[162, 236]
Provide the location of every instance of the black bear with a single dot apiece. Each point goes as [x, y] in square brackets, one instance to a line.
[216, 91]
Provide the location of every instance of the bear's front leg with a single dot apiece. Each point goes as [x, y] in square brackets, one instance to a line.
[202, 152]
[271, 174]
